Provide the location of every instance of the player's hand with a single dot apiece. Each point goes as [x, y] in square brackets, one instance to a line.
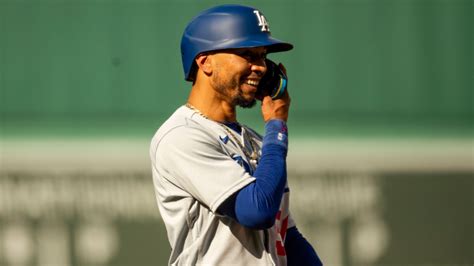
[276, 109]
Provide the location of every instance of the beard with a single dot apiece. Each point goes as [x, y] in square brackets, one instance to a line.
[240, 100]
[226, 90]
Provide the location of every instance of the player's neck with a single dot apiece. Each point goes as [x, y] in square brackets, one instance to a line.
[211, 106]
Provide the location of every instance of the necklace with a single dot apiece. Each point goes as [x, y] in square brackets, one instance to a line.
[190, 106]
[253, 156]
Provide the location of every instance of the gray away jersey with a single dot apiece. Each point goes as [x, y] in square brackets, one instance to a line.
[196, 166]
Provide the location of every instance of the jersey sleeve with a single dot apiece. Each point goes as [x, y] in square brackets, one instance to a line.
[193, 160]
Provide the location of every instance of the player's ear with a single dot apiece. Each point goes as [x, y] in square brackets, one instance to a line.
[203, 62]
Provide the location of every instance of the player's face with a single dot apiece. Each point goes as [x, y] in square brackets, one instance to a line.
[237, 73]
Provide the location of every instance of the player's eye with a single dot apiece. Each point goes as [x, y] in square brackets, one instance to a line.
[252, 56]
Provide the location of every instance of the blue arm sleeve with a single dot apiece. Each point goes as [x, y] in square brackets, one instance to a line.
[298, 250]
[256, 205]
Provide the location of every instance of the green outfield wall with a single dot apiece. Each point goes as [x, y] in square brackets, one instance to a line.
[358, 65]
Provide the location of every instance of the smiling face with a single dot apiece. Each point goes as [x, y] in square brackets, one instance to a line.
[237, 73]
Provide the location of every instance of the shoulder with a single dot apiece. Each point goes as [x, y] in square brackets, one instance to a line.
[183, 130]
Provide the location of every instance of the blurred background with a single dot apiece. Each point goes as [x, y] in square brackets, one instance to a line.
[381, 127]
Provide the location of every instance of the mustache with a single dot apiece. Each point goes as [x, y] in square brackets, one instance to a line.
[253, 75]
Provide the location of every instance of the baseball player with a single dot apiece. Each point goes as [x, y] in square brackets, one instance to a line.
[221, 187]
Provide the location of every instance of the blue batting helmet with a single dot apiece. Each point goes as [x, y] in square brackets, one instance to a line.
[226, 27]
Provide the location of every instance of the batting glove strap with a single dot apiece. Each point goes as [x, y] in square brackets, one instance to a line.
[276, 132]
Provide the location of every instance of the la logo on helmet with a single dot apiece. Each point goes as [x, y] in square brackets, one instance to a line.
[262, 21]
